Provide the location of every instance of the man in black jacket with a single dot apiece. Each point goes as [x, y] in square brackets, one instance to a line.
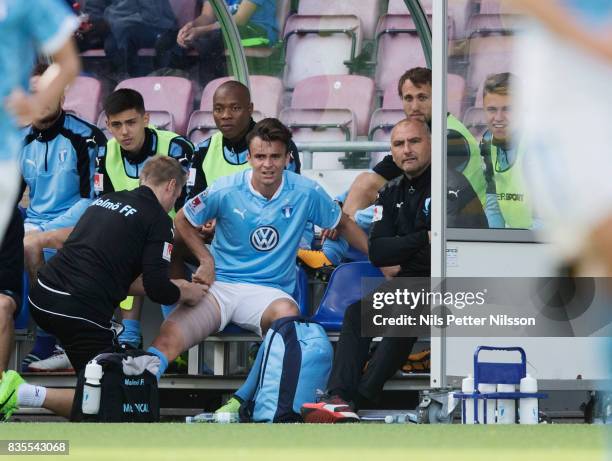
[120, 236]
[400, 236]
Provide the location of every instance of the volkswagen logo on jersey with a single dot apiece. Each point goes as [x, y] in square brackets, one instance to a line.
[264, 238]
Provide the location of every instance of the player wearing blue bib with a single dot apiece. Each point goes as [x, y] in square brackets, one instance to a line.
[261, 214]
[27, 28]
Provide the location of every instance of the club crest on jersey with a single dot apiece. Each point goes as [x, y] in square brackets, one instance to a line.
[264, 238]
[167, 252]
[287, 211]
[426, 207]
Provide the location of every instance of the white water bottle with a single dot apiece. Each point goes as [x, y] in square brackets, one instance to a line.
[467, 387]
[506, 408]
[485, 388]
[528, 408]
[92, 389]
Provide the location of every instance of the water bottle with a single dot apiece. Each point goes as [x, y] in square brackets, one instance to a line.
[528, 408]
[486, 388]
[467, 387]
[92, 389]
[201, 418]
[221, 418]
[506, 408]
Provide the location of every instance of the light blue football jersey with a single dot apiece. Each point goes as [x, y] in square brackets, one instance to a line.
[256, 239]
[26, 28]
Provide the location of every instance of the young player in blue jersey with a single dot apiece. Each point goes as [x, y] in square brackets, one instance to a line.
[250, 270]
[26, 28]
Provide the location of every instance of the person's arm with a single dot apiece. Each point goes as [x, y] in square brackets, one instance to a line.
[386, 247]
[30, 107]
[363, 192]
[188, 222]
[353, 234]
[34, 242]
[69, 218]
[561, 21]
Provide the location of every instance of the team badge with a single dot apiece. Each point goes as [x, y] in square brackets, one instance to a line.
[287, 211]
[426, 207]
[192, 177]
[167, 253]
[62, 155]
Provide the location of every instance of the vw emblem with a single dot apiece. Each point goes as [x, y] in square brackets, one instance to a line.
[264, 238]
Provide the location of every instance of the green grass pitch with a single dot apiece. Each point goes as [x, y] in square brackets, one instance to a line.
[296, 442]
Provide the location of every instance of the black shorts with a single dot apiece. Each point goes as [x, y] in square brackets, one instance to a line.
[82, 334]
[11, 261]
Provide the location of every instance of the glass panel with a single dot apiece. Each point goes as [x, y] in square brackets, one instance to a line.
[482, 144]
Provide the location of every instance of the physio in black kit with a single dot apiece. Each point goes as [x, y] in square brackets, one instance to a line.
[119, 237]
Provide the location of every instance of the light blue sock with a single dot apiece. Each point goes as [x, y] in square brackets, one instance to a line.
[131, 332]
[167, 310]
[163, 365]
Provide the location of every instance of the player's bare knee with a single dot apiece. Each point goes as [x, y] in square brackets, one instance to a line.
[282, 308]
[7, 309]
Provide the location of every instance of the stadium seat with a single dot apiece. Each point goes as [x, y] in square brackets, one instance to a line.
[497, 7]
[366, 10]
[345, 288]
[489, 54]
[266, 93]
[201, 126]
[381, 123]
[321, 125]
[474, 120]
[398, 48]
[83, 98]
[319, 45]
[160, 119]
[399, 6]
[352, 92]
[483, 24]
[170, 94]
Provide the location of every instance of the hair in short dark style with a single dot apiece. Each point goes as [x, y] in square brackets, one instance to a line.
[419, 76]
[161, 169]
[498, 84]
[270, 129]
[122, 100]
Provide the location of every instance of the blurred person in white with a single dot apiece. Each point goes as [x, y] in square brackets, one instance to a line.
[565, 108]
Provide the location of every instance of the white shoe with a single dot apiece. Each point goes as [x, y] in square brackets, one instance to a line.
[58, 362]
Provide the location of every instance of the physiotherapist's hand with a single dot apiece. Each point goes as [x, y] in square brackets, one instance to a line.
[205, 274]
[192, 293]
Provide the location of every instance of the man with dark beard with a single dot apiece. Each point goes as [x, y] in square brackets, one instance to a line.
[57, 162]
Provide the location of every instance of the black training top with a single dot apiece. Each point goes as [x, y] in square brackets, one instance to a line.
[120, 236]
[402, 217]
[400, 224]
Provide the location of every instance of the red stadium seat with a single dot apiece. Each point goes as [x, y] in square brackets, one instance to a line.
[366, 10]
[319, 45]
[266, 93]
[398, 48]
[490, 54]
[352, 92]
[165, 94]
[83, 98]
